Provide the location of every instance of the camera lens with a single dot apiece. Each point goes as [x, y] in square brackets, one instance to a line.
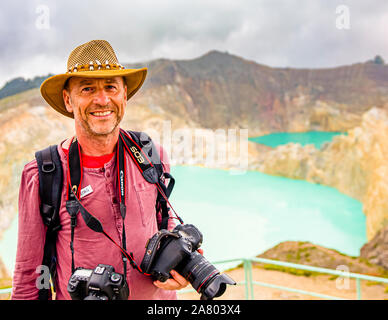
[198, 270]
[204, 277]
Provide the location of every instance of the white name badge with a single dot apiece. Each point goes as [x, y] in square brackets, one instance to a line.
[85, 191]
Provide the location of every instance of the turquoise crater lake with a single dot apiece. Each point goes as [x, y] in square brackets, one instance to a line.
[244, 215]
[317, 138]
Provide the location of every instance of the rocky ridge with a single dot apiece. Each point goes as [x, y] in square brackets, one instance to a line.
[310, 254]
[221, 90]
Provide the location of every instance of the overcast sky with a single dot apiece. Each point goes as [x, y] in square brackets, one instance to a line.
[37, 36]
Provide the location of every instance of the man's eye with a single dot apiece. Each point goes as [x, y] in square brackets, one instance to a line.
[110, 87]
[87, 89]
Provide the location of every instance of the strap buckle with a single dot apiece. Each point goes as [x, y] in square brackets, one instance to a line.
[48, 166]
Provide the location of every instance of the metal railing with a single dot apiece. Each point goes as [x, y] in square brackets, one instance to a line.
[6, 290]
[249, 283]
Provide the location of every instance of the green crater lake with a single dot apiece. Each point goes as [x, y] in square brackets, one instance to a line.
[244, 215]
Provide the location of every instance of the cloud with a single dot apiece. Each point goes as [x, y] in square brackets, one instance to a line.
[299, 33]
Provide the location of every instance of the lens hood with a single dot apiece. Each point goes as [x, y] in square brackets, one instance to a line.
[217, 287]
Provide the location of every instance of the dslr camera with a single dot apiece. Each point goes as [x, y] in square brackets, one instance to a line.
[177, 250]
[102, 283]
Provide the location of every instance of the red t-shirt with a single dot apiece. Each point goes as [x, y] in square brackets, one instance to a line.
[93, 162]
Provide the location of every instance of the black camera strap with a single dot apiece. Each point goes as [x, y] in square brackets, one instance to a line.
[73, 205]
[148, 169]
[74, 178]
[123, 209]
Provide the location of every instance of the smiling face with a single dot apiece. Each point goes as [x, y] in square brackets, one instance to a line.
[98, 104]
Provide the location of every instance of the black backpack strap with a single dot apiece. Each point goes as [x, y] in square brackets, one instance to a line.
[148, 147]
[50, 190]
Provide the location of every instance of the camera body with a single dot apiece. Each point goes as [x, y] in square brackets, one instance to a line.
[101, 283]
[178, 250]
[174, 248]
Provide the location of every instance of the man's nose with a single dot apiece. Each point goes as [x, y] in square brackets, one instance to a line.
[101, 97]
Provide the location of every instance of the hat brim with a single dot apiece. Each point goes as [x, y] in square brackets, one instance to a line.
[52, 88]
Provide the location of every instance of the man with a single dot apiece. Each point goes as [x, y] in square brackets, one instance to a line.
[94, 92]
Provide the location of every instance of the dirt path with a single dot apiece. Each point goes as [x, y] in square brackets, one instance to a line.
[323, 284]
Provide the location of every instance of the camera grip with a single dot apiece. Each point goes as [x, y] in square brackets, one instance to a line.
[151, 248]
[168, 259]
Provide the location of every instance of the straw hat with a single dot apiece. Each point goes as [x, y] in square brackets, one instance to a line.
[94, 59]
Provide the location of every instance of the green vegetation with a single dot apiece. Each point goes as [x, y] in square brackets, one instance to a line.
[293, 271]
[20, 84]
[378, 60]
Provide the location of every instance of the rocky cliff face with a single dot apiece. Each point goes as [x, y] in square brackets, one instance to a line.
[26, 125]
[376, 251]
[356, 164]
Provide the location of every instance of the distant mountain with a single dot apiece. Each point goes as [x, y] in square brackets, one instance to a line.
[20, 84]
[223, 90]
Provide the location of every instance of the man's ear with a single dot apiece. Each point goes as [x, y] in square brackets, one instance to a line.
[125, 88]
[67, 100]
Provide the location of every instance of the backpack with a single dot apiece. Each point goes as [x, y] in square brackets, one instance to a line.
[50, 191]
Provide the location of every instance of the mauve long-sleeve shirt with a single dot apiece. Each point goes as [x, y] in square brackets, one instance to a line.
[90, 248]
